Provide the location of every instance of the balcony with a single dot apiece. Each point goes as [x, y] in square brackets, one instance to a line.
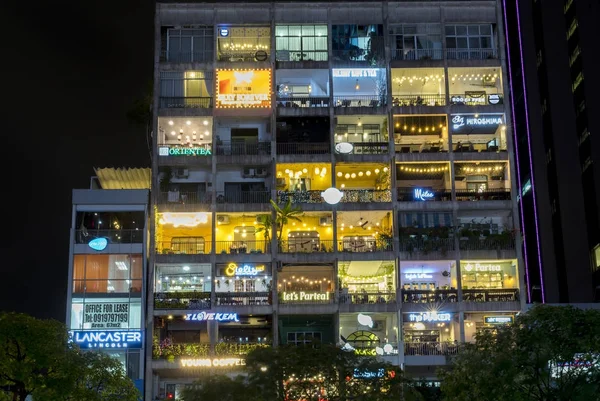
[243, 298]
[113, 236]
[294, 101]
[191, 246]
[471, 54]
[417, 54]
[426, 248]
[304, 148]
[364, 244]
[310, 245]
[429, 296]
[244, 197]
[483, 195]
[242, 247]
[181, 201]
[186, 57]
[185, 102]
[364, 298]
[495, 295]
[345, 101]
[182, 300]
[430, 348]
[167, 350]
[228, 148]
[418, 100]
[366, 196]
[420, 195]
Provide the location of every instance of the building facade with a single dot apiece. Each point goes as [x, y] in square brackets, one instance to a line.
[388, 124]
[107, 265]
[553, 44]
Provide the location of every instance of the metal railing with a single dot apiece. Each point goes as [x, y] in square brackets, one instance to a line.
[186, 57]
[185, 102]
[242, 56]
[306, 297]
[476, 100]
[130, 236]
[107, 286]
[426, 245]
[429, 296]
[462, 147]
[365, 245]
[227, 148]
[182, 300]
[431, 348]
[185, 198]
[409, 195]
[304, 148]
[360, 101]
[302, 101]
[369, 148]
[300, 196]
[243, 298]
[367, 298]
[306, 245]
[418, 100]
[166, 349]
[244, 247]
[486, 295]
[485, 244]
[366, 195]
[471, 54]
[191, 247]
[417, 54]
[373, 53]
[488, 194]
[301, 55]
[263, 196]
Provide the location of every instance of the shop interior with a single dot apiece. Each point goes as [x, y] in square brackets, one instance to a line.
[107, 273]
[415, 179]
[313, 233]
[185, 131]
[365, 176]
[370, 333]
[487, 136]
[367, 277]
[418, 87]
[302, 88]
[364, 231]
[303, 177]
[178, 277]
[306, 329]
[243, 43]
[307, 278]
[421, 133]
[432, 327]
[481, 178]
[243, 278]
[118, 227]
[242, 136]
[243, 233]
[357, 42]
[357, 129]
[184, 233]
[478, 322]
[489, 274]
[473, 86]
[364, 87]
[186, 89]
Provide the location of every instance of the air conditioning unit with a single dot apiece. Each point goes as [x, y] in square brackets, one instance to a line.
[181, 173]
[325, 221]
[222, 219]
[280, 183]
[261, 172]
[249, 172]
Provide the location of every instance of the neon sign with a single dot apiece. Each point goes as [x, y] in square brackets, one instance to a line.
[355, 72]
[181, 151]
[217, 362]
[244, 270]
[423, 194]
[98, 244]
[486, 267]
[413, 276]
[205, 316]
[243, 88]
[498, 319]
[306, 296]
[107, 339]
[429, 317]
[460, 120]
[224, 32]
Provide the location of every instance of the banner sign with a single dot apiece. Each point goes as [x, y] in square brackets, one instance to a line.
[107, 339]
[113, 315]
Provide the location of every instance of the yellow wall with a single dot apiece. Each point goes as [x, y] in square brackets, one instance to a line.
[310, 223]
[225, 232]
[317, 181]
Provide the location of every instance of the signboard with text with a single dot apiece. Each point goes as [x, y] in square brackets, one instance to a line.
[108, 315]
[234, 269]
[107, 339]
[243, 89]
[486, 122]
[498, 319]
[166, 150]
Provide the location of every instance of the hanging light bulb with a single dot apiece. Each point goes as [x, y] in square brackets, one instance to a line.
[357, 86]
[339, 174]
[359, 122]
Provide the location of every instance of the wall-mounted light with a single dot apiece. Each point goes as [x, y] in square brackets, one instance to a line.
[357, 86]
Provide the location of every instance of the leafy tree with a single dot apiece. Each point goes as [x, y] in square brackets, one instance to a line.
[222, 388]
[533, 359]
[265, 225]
[284, 215]
[37, 359]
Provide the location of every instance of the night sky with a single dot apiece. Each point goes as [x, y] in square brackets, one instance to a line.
[71, 71]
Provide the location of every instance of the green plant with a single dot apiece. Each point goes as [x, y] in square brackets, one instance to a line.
[284, 215]
[265, 225]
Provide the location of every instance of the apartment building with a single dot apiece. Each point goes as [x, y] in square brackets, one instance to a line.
[387, 124]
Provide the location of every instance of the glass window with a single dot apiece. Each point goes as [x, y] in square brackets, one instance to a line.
[107, 273]
[303, 338]
[358, 43]
[301, 42]
[478, 38]
[250, 43]
[186, 89]
[416, 41]
[106, 313]
[190, 45]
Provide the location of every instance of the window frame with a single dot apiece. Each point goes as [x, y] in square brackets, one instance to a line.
[319, 53]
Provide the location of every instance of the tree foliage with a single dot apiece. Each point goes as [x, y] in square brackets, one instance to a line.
[37, 359]
[548, 354]
[284, 215]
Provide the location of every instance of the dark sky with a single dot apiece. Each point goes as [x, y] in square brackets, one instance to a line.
[71, 71]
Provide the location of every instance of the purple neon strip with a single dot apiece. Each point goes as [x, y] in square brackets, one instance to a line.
[516, 148]
[535, 216]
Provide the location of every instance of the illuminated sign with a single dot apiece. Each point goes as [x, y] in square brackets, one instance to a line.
[208, 363]
[305, 296]
[224, 32]
[482, 267]
[355, 72]
[205, 316]
[414, 276]
[476, 98]
[422, 194]
[365, 374]
[332, 195]
[387, 349]
[98, 244]
[365, 320]
[107, 339]
[244, 270]
[429, 317]
[494, 99]
[476, 120]
[243, 88]
[498, 319]
[106, 315]
[344, 148]
[182, 151]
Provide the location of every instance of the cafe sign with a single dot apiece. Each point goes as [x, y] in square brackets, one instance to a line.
[246, 269]
[206, 316]
[417, 276]
[243, 89]
[216, 362]
[498, 319]
[183, 151]
[429, 317]
[476, 120]
[305, 296]
[482, 267]
[421, 194]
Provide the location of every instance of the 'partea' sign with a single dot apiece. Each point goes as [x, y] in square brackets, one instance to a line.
[205, 316]
[305, 296]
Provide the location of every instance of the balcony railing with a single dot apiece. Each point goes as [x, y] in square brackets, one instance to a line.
[360, 101]
[182, 300]
[429, 296]
[243, 247]
[417, 195]
[430, 348]
[306, 297]
[167, 350]
[487, 244]
[366, 195]
[427, 245]
[374, 53]
[185, 198]
[300, 196]
[244, 196]
[417, 54]
[306, 245]
[496, 295]
[365, 245]
[368, 298]
[243, 298]
[369, 148]
[84, 236]
[242, 56]
[185, 102]
[301, 55]
[227, 148]
[186, 57]
[418, 100]
[488, 194]
[471, 54]
[192, 246]
[299, 148]
[302, 101]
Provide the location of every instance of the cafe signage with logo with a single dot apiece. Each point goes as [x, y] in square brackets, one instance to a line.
[98, 244]
[421, 194]
[482, 267]
[107, 339]
[429, 317]
[183, 151]
[462, 121]
[498, 319]
[206, 316]
[243, 269]
[476, 98]
[305, 296]
[208, 363]
[243, 89]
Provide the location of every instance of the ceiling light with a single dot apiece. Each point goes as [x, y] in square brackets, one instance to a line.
[173, 132]
[121, 265]
[188, 122]
[186, 268]
[170, 122]
[205, 122]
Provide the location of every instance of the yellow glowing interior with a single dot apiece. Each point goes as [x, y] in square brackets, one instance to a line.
[304, 176]
[183, 232]
[362, 176]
